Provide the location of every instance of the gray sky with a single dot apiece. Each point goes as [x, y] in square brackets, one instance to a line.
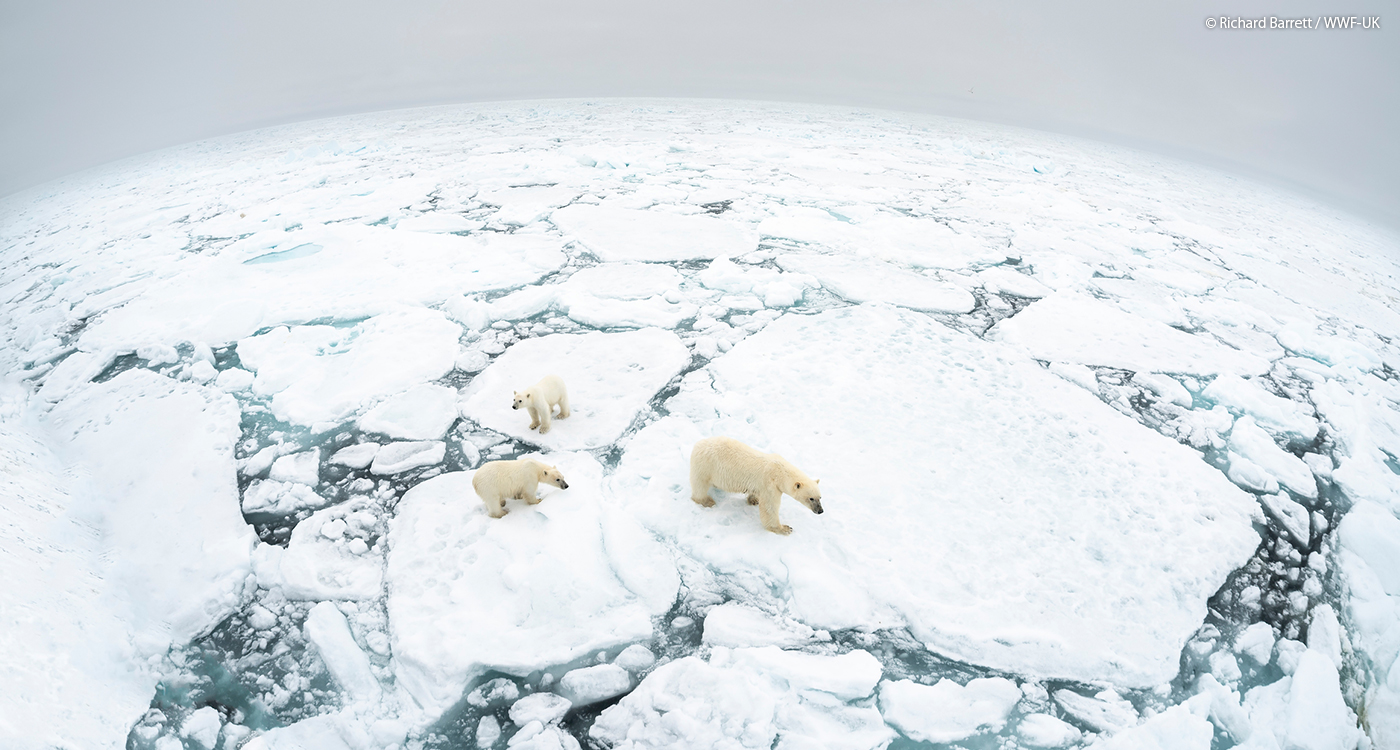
[87, 81]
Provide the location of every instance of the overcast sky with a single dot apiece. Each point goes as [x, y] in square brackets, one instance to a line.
[84, 82]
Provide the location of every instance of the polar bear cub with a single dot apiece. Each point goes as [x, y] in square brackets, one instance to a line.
[541, 398]
[497, 481]
[729, 465]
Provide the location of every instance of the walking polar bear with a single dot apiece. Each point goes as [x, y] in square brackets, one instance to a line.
[729, 465]
[541, 398]
[497, 481]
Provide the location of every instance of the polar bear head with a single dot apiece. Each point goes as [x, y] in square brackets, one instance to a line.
[522, 400]
[551, 475]
[807, 492]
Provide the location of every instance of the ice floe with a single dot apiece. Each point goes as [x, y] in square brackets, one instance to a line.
[1082, 607]
[610, 377]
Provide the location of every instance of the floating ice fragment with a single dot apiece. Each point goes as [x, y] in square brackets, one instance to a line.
[1292, 516]
[635, 658]
[546, 708]
[735, 624]
[488, 731]
[1105, 712]
[872, 280]
[202, 728]
[593, 684]
[1166, 387]
[947, 711]
[1176, 728]
[1257, 642]
[1250, 441]
[279, 498]
[422, 413]
[396, 458]
[303, 468]
[1249, 475]
[1278, 415]
[356, 456]
[1044, 730]
[318, 563]
[234, 379]
[328, 631]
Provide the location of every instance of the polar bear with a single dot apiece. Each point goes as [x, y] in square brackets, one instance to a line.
[540, 399]
[729, 465]
[496, 481]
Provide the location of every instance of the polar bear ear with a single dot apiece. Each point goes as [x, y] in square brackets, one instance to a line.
[818, 481]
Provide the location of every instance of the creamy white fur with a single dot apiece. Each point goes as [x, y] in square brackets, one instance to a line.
[731, 466]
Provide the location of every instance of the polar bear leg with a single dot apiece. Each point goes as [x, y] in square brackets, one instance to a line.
[496, 507]
[534, 417]
[564, 406]
[545, 419]
[700, 486]
[768, 515]
[753, 499]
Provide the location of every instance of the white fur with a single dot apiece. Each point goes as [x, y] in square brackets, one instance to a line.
[541, 398]
[731, 466]
[497, 481]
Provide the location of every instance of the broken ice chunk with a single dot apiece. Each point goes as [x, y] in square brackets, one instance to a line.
[1256, 642]
[735, 624]
[1044, 730]
[1292, 516]
[356, 456]
[396, 458]
[279, 498]
[328, 631]
[1248, 440]
[1249, 475]
[1278, 415]
[421, 413]
[304, 468]
[635, 658]
[947, 711]
[201, 728]
[1105, 712]
[1166, 387]
[593, 684]
[546, 708]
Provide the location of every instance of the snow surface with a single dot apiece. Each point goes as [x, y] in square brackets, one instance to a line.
[536, 588]
[1025, 458]
[935, 539]
[609, 377]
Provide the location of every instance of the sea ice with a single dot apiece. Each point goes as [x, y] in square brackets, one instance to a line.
[318, 565]
[324, 374]
[1277, 415]
[750, 698]
[610, 377]
[621, 234]
[947, 711]
[158, 456]
[873, 280]
[593, 684]
[396, 458]
[533, 589]
[302, 468]
[423, 412]
[1044, 730]
[1081, 330]
[328, 631]
[279, 498]
[951, 522]
[735, 624]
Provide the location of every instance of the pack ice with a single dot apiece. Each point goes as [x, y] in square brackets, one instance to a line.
[1068, 566]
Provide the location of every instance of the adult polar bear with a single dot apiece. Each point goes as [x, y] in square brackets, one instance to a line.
[731, 466]
[498, 481]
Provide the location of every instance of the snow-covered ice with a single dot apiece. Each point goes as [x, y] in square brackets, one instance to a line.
[947, 711]
[948, 521]
[610, 377]
[238, 414]
[536, 588]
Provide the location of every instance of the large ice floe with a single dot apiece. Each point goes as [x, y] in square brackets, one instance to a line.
[1109, 445]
